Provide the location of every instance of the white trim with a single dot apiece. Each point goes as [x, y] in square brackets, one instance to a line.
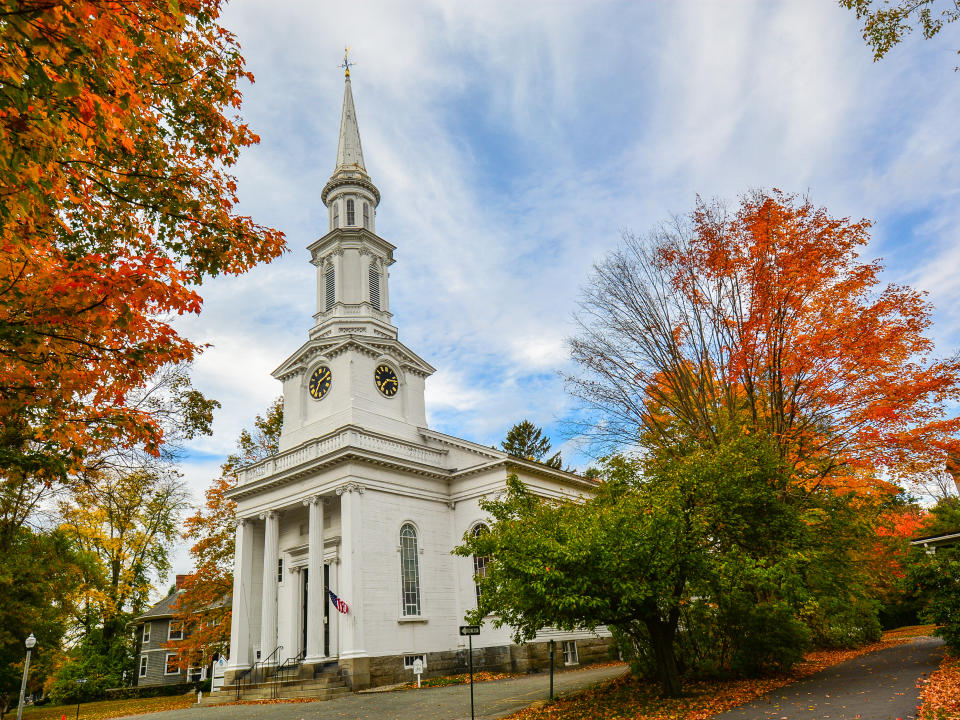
[145, 637]
[166, 664]
[143, 666]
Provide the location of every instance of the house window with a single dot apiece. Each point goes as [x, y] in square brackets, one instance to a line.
[143, 666]
[279, 569]
[374, 286]
[410, 570]
[408, 660]
[175, 632]
[336, 214]
[479, 561]
[570, 652]
[351, 215]
[146, 632]
[171, 664]
[366, 215]
[331, 287]
[194, 674]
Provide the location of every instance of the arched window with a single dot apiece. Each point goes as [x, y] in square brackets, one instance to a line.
[351, 215]
[374, 276]
[331, 287]
[366, 215]
[410, 570]
[336, 213]
[479, 561]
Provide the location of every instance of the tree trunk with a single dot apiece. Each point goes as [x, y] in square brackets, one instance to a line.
[661, 637]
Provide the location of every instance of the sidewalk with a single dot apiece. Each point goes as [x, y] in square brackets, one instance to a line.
[492, 699]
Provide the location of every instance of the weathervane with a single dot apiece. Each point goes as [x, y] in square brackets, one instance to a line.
[346, 64]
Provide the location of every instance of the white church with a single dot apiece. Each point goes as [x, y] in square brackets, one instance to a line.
[364, 500]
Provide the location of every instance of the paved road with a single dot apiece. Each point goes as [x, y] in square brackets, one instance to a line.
[878, 686]
[493, 699]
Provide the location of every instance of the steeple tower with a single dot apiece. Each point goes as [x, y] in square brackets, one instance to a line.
[351, 260]
[352, 371]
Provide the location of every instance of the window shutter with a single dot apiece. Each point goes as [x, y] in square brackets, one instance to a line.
[331, 288]
[374, 287]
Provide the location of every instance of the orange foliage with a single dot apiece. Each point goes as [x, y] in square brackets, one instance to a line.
[806, 345]
[114, 204]
[941, 692]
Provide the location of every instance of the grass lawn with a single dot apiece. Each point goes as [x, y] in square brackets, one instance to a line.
[103, 709]
[629, 699]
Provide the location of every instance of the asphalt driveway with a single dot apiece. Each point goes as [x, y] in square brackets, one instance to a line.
[878, 686]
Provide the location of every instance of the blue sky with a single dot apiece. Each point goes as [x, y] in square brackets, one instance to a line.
[512, 142]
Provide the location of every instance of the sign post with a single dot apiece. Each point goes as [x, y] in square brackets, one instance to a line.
[79, 681]
[418, 669]
[552, 645]
[470, 631]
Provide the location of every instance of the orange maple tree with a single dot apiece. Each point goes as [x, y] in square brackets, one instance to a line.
[203, 608]
[117, 130]
[764, 320]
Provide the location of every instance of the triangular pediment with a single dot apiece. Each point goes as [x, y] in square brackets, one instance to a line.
[332, 346]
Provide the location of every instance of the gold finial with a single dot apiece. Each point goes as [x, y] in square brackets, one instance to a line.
[346, 64]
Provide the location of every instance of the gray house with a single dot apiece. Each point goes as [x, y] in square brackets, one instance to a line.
[155, 630]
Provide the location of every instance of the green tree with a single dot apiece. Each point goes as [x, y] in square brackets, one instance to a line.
[707, 540]
[41, 574]
[525, 440]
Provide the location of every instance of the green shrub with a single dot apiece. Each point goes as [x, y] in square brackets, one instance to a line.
[937, 578]
[769, 639]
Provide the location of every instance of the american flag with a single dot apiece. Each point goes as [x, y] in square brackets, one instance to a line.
[339, 604]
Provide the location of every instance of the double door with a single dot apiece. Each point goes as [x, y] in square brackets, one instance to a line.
[304, 594]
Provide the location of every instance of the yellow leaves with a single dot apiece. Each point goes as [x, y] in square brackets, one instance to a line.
[107, 709]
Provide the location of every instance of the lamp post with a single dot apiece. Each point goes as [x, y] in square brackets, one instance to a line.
[31, 641]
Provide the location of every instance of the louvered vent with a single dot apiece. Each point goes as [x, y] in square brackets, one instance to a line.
[331, 288]
[375, 288]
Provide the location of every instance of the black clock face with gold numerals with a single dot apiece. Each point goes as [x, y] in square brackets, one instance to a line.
[386, 380]
[320, 382]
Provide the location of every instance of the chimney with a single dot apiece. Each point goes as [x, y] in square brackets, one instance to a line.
[180, 580]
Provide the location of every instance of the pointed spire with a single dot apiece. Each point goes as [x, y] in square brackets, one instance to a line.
[349, 151]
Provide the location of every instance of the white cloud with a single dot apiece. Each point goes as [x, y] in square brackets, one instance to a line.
[512, 141]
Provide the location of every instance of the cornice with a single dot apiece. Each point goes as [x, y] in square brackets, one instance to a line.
[338, 344]
[358, 180]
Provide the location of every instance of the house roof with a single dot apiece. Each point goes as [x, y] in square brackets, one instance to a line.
[162, 609]
[951, 538]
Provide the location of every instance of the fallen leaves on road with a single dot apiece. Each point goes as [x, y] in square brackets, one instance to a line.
[940, 693]
[626, 698]
[106, 709]
[461, 679]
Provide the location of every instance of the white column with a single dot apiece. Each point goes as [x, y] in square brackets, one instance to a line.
[242, 584]
[271, 553]
[294, 629]
[316, 592]
[351, 519]
[333, 615]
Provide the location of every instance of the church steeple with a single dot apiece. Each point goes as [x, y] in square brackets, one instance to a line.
[349, 150]
[351, 260]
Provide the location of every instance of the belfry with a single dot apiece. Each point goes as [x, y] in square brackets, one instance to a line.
[343, 564]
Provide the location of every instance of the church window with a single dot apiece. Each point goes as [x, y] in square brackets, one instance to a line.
[409, 660]
[351, 215]
[410, 570]
[279, 569]
[375, 287]
[570, 652]
[331, 287]
[366, 215]
[336, 214]
[479, 561]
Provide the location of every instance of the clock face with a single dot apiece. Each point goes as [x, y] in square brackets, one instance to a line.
[386, 380]
[320, 382]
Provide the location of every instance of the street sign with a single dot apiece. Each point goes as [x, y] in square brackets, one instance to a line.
[469, 629]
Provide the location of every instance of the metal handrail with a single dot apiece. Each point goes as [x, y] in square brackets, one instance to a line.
[281, 673]
[249, 675]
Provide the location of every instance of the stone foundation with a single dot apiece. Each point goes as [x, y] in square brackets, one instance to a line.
[530, 657]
